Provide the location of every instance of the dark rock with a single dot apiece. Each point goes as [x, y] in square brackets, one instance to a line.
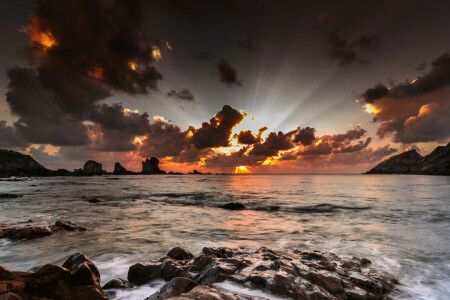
[61, 225]
[174, 288]
[411, 162]
[196, 172]
[179, 254]
[31, 232]
[78, 278]
[17, 164]
[150, 166]
[117, 283]
[119, 170]
[292, 274]
[93, 168]
[95, 200]
[62, 172]
[3, 196]
[233, 206]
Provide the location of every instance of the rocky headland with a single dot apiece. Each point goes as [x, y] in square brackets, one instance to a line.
[216, 273]
[411, 162]
[20, 165]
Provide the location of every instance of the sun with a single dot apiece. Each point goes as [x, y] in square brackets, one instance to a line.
[241, 170]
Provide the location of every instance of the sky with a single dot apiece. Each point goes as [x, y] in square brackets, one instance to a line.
[224, 85]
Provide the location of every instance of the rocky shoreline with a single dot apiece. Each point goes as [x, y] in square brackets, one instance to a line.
[291, 274]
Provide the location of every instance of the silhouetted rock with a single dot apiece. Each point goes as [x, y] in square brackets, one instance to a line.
[411, 162]
[62, 172]
[291, 273]
[17, 164]
[93, 168]
[6, 195]
[119, 170]
[36, 231]
[195, 172]
[150, 166]
[78, 278]
[436, 163]
[233, 206]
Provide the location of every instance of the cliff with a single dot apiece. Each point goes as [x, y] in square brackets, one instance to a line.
[411, 162]
[17, 164]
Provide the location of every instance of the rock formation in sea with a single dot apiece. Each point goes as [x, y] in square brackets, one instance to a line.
[77, 278]
[150, 166]
[32, 231]
[411, 162]
[92, 167]
[290, 273]
[119, 170]
[17, 164]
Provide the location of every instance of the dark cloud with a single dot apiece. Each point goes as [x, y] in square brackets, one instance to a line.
[246, 137]
[217, 132]
[417, 110]
[274, 143]
[197, 11]
[247, 44]
[10, 138]
[228, 73]
[324, 19]
[184, 94]
[305, 136]
[80, 63]
[344, 53]
[202, 56]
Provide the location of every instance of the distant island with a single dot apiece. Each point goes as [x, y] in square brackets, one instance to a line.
[13, 163]
[411, 162]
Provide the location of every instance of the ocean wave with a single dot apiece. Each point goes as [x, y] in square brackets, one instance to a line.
[327, 208]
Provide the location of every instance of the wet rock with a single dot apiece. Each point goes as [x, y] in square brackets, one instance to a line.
[293, 274]
[78, 278]
[119, 170]
[117, 283]
[179, 254]
[31, 232]
[233, 206]
[174, 288]
[62, 225]
[95, 200]
[151, 166]
[93, 168]
[6, 195]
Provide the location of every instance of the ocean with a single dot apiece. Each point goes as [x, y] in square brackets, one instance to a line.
[400, 222]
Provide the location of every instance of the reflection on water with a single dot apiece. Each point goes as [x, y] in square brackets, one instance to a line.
[399, 222]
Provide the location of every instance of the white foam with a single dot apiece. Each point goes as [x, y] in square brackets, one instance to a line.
[246, 291]
[138, 293]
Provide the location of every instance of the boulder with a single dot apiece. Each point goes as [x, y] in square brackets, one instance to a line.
[117, 283]
[93, 168]
[78, 278]
[119, 170]
[292, 274]
[150, 166]
[179, 253]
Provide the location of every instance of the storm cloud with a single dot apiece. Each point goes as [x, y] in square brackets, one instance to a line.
[228, 74]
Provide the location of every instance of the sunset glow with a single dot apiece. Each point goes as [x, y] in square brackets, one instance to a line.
[241, 170]
[369, 108]
[156, 54]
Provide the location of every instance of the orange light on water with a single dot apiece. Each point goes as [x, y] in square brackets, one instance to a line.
[241, 170]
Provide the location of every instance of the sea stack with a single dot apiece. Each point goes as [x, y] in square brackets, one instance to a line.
[150, 166]
[93, 168]
[119, 170]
